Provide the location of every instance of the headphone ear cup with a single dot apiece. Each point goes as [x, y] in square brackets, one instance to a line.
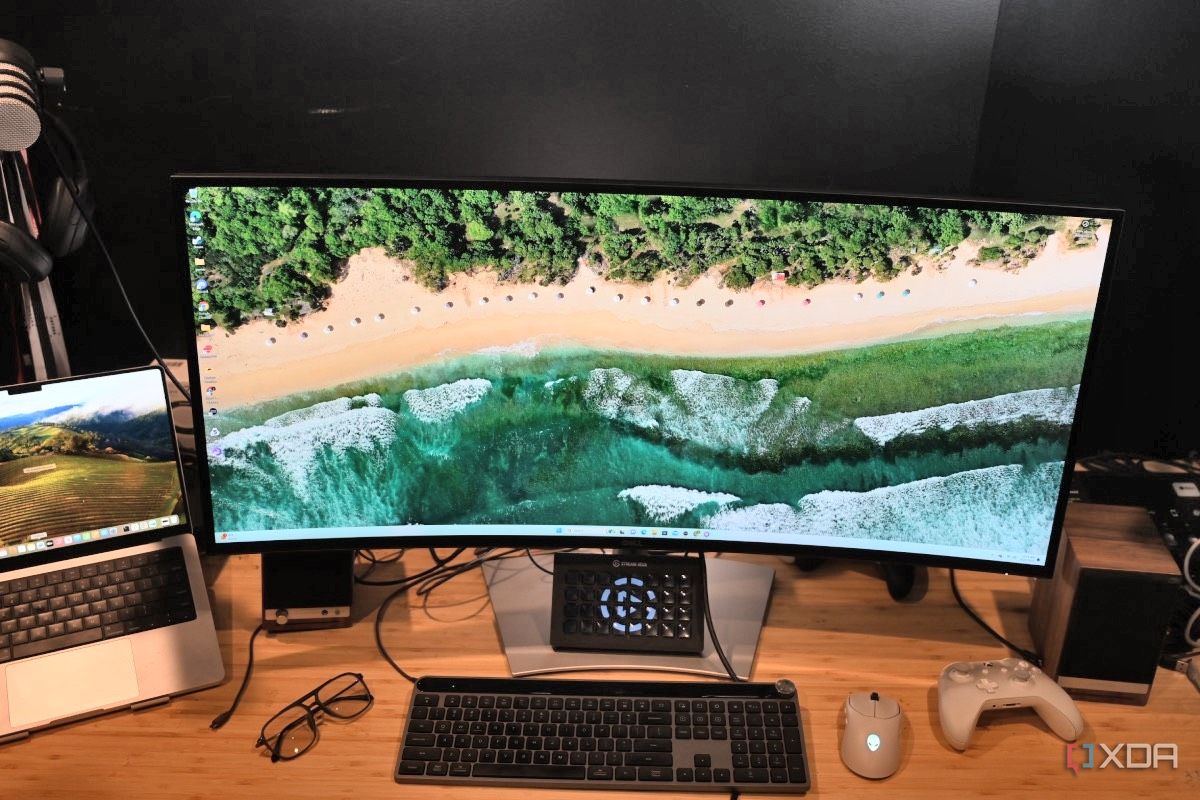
[21, 257]
[64, 228]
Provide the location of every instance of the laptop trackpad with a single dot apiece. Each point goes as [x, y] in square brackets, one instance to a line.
[64, 684]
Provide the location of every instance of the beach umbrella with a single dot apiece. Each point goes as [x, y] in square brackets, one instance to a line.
[858, 296]
[508, 298]
[728, 303]
[906, 293]
[618, 298]
[561, 296]
[379, 317]
[700, 302]
[674, 301]
[416, 309]
[328, 329]
[449, 304]
[808, 301]
[591, 290]
[762, 303]
[483, 301]
[879, 295]
[303, 335]
[354, 323]
[972, 283]
[270, 341]
[533, 295]
[645, 301]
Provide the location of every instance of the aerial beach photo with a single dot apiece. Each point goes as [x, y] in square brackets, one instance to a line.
[563, 357]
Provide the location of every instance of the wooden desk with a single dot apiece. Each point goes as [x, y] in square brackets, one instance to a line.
[832, 631]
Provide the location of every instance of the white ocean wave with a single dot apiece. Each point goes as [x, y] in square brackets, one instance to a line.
[297, 438]
[1050, 405]
[1009, 507]
[440, 403]
[328, 408]
[528, 349]
[665, 503]
[717, 411]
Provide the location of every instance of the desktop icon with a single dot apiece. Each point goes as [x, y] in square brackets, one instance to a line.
[199, 262]
[205, 328]
[212, 412]
[216, 452]
[20, 548]
[3, 553]
[174, 519]
[208, 351]
[194, 216]
[77, 538]
[202, 285]
[209, 391]
[127, 529]
[213, 433]
[202, 305]
[198, 241]
[193, 194]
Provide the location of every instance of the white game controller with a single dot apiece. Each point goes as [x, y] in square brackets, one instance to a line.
[968, 688]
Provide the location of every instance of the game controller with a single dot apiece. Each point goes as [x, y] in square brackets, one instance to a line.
[968, 688]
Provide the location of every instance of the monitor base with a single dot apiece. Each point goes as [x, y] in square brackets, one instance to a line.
[521, 597]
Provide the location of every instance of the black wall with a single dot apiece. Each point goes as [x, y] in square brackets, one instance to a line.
[1047, 101]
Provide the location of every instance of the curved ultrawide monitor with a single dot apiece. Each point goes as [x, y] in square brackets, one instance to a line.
[504, 362]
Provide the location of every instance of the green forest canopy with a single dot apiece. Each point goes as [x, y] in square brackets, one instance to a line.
[282, 248]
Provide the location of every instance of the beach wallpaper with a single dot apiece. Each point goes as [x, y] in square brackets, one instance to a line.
[783, 368]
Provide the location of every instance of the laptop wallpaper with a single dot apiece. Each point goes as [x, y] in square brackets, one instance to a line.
[86, 455]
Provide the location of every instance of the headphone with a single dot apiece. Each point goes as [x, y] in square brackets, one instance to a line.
[25, 124]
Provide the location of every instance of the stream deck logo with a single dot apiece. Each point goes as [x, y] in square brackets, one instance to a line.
[1123, 756]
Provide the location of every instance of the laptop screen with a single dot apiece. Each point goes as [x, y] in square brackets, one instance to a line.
[86, 459]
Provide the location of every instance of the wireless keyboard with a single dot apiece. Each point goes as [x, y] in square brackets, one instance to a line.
[605, 735]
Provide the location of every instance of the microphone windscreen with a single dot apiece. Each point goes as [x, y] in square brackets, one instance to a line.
[20, 123]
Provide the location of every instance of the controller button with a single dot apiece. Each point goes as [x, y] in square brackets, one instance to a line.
[986, 685]
[1023, 664]
[1022, 675]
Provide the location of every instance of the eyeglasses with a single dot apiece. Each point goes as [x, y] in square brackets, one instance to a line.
[293, 731]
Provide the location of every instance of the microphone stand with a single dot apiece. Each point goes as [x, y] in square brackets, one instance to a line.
[43, 348]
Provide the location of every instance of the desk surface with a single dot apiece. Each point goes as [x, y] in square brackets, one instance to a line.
[833, 631]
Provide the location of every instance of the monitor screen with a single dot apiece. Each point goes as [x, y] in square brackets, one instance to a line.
[499, 361]
[86, 459]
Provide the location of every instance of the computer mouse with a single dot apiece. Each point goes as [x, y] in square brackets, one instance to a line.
[871, 738]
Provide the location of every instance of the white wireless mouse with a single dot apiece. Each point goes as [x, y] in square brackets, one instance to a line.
[871, 738]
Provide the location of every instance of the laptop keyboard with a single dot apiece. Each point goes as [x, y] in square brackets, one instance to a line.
[65, 608]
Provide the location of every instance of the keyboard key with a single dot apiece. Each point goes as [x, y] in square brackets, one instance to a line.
[36, 648]
[648, 759]
[751, 776]
[421, 754]
[599, 773]
[411, 768]
[550, 772]
[654, 774]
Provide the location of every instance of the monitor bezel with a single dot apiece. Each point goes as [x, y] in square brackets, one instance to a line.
[12, 563]
[202, 523]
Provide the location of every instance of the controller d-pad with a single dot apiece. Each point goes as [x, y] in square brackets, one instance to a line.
[987, 685]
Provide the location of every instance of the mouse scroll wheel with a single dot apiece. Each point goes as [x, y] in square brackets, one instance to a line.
[875, 696]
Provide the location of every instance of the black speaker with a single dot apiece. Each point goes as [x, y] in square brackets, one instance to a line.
[1100, 622]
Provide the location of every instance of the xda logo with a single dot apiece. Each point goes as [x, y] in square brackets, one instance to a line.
[1122, 756]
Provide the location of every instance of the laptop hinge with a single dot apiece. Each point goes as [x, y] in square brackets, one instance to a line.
[161, 700]
[14, 737]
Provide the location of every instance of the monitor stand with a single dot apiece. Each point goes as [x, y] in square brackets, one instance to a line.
[906, 583]
[306, 590]
[738, 594]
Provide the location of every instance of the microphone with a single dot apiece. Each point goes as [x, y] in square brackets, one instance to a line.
[20, 122]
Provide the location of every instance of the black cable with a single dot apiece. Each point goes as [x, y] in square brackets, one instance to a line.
[224, 716]
[533, 561]
[91, 223]
[383, 607]
[398, 581]
[712, 630]
[1028, 655]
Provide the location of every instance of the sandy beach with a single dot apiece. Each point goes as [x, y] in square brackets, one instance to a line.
[382, 323]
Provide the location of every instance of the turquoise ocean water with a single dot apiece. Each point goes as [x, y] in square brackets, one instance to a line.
[576, 436]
